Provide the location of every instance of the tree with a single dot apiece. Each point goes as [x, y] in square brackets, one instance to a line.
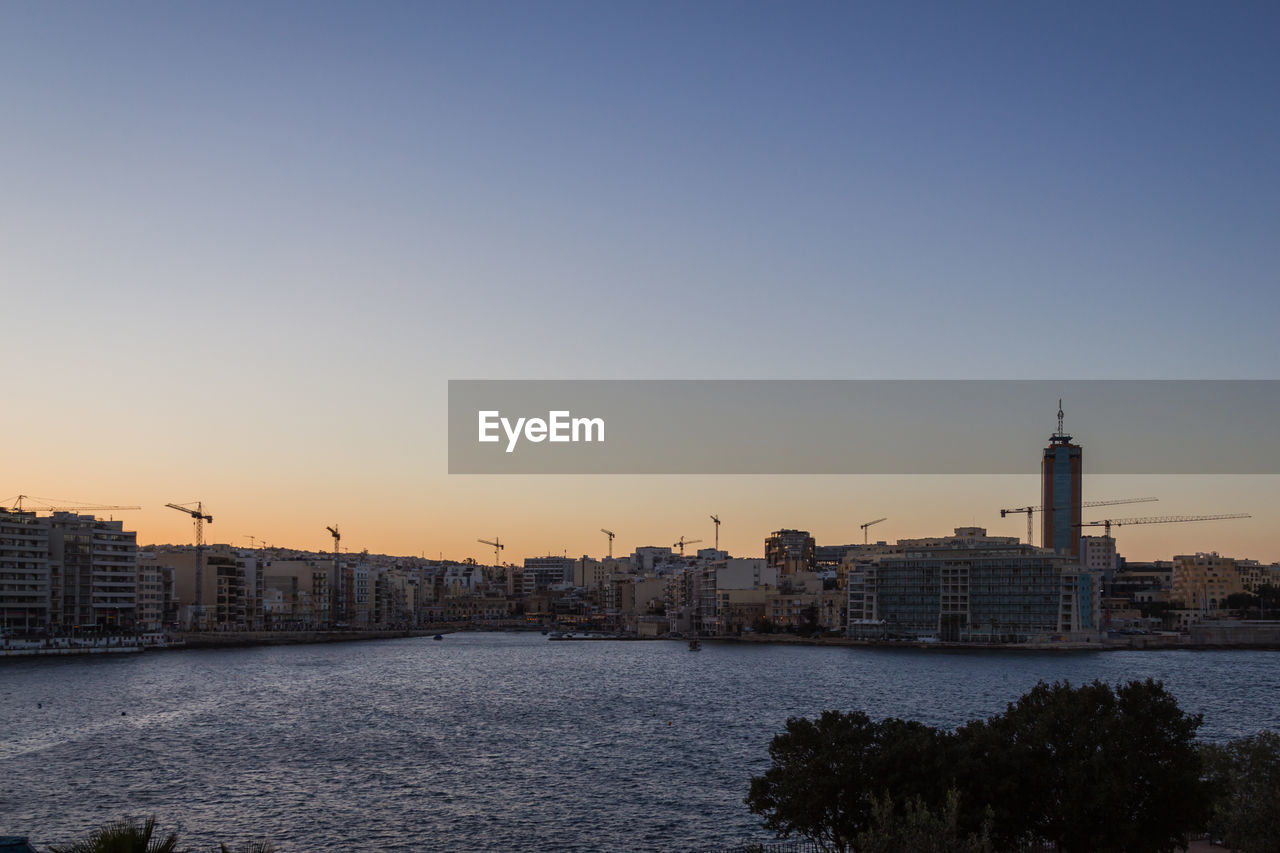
[826, 774]
[1090, 768]
[1245, 777]
[124, 836]
[917, 829]
[1241, 601]
[808, 623]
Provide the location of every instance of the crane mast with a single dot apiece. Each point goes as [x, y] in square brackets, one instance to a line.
[199, 517]
[610, 534]
[497, 547]
[336, 609]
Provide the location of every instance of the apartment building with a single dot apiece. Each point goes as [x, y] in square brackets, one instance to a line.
[26, 577]
[971, 587]
[97, 571]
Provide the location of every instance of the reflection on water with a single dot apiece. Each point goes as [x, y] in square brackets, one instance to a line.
[494, 741]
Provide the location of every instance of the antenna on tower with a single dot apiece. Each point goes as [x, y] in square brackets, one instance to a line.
[1059, 438]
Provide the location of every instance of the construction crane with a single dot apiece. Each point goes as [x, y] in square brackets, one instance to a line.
[610, 534]
[198, 516]
[684, 542]
[869, 524]
[335, 595]
[1030, 509]
[497, 547]
[716, 519]
[1109, 523]
[51, 505]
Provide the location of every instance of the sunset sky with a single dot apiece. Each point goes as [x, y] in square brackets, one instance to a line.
[244, 246]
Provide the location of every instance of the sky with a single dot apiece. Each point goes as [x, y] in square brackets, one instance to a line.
[244, 246]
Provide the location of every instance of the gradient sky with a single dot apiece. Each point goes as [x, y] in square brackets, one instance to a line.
[243, 246]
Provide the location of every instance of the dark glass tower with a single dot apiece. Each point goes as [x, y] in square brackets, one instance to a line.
[1061, 496]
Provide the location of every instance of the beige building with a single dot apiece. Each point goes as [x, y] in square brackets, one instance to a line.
[1202, 582]
[395, 598]
[787, 610]
[302, 589]
[231, 589]
[155, 592]
[739, 610]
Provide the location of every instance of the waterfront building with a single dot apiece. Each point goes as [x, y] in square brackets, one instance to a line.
[971, 587]
[154, 593]
[26, 586]
[1203, 581]
[825, 611]
[301, 587]
[740, 610]
[1254, 574]
[395, 594]
[790, 551]
[355, 581]
[1143, 582]
[732, 573]
[97, 563]
[546, 572]
[683, 593]
[1098, 554]
[1061, 495]
[231, 591]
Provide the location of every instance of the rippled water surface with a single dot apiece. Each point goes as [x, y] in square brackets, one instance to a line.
[493, 741]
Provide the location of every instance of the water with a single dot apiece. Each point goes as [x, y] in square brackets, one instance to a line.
[494, 741]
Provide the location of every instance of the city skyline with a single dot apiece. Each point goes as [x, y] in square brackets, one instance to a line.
[744, 534]
[246, 248]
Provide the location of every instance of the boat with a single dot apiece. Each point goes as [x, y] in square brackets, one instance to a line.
[695, 645]
[438, 637]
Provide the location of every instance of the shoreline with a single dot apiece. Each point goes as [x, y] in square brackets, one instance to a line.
[257, 639]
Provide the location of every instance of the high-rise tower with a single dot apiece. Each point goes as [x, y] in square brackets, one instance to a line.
[1061, 496]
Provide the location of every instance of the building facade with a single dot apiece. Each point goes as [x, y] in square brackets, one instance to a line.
[1061, 495]
[972, 588]
[790, 551]
[97, 565]
[26, 577]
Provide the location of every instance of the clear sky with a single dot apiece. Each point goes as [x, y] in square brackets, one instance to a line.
[244, 245]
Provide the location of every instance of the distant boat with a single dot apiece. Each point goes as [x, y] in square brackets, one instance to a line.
[438, 637]
[695, 645]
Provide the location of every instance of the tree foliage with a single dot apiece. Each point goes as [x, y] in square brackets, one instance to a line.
[128, 836]
[826, 774]
[124, 836]
[1089, 768]
[1245, 777]
[917, 829]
